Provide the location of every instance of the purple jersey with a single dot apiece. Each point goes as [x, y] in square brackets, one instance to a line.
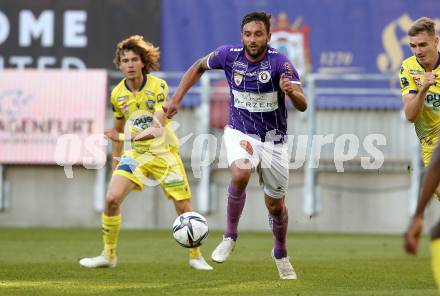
[257, 103]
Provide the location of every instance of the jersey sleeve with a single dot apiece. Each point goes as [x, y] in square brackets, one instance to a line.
[162, 96]
[407, 84]
[286, 67]
[117, 113]
[217, 58]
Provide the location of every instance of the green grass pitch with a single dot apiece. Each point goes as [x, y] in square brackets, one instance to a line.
[45, 262]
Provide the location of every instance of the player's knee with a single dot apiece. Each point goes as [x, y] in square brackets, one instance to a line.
[242, 165]
[113, 202]
[240, 177]
[275, 207]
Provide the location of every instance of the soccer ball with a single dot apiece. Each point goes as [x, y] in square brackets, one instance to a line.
[190, 229]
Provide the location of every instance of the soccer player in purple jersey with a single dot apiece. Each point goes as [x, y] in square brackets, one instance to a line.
[259, 78]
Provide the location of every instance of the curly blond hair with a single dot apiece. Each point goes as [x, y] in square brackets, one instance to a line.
[149, 54]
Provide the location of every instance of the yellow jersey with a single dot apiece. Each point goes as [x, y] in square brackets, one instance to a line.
[137, 108]
[427, 123]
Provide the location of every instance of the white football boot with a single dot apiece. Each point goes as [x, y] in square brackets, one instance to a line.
[285, 269]
[223, 250]
[199, 263]
[98, 261]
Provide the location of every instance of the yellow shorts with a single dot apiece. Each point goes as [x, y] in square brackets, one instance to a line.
[428, 148]
[164, 169]
[427, 151]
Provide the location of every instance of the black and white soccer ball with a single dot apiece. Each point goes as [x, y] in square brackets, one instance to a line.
[190, 229]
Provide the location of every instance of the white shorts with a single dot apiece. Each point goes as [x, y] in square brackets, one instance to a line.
[271, 160]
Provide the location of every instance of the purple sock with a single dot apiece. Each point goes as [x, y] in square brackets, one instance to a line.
[236, 200]
[279, 230]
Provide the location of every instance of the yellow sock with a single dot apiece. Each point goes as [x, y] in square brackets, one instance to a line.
[110, 229]
[435, 260]
[195, 253]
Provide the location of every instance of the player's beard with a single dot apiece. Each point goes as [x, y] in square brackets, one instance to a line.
[260, 50]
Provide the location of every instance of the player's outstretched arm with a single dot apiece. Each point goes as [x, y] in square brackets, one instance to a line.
[154, 131]
[430, 183]
[191, 76]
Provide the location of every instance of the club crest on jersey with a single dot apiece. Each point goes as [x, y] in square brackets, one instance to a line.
[149, 104]
[418, 81]
[238, 78]
[264, 76]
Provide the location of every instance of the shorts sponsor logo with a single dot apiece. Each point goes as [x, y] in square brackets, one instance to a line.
[173, 179]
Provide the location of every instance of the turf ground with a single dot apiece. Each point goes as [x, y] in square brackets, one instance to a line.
[44, 262]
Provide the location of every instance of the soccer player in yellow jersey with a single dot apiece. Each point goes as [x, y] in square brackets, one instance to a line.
[420, 82]
[153, 156]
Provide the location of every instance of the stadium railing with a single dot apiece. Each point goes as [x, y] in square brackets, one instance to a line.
[376, 92]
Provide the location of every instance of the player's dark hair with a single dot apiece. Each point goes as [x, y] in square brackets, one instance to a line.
[148, 53]
[423, 24]
[257, 16]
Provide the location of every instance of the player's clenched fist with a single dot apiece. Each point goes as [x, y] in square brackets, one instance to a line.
[112, 134]
[285, 84]
[171, 109]
[429, 79]
[412, 236]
